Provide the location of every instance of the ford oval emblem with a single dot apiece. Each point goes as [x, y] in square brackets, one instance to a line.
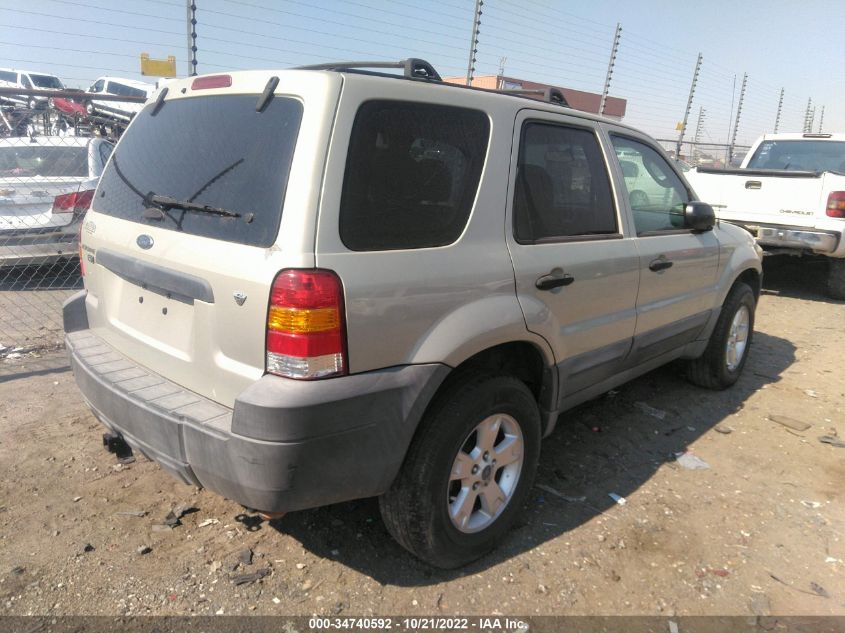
[144, 241]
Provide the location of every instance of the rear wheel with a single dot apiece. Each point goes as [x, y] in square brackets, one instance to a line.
[467, 473]
[836, 279]
[721, 364]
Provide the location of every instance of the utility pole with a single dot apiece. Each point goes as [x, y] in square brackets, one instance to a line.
[780, 108]
[613, 51]
[192, 37]
[473, 44]
[500, 80]
[821, 120]
[738, 113]
[698, 128]
[689, 106]
[808, 119]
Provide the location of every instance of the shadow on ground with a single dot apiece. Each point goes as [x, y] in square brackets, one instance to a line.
[606, 445]
[797, 278]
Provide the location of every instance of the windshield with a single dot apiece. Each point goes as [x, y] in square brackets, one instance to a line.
[800, 155]
[215, 151]
[46, 81]
[33, 160]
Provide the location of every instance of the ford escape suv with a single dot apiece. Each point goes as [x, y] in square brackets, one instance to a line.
[314, 285]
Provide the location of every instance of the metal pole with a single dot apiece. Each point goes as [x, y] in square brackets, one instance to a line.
[698, 128]
[191, 9]
[821, 120]
[807, 119]
[780, 108]
[611, 63]
[473, 44]
[738, 113]
[689, 106]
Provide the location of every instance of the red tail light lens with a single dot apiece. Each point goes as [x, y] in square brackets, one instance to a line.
[212, 81]
[76, 202]
[306, 332]
[836, 204]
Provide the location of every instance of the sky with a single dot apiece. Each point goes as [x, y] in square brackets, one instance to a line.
[779, 44]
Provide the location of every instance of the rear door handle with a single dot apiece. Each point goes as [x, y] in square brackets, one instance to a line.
[551, 281]
[661, 263]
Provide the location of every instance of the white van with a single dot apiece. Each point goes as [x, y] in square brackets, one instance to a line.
[123, 110]
[28, 80]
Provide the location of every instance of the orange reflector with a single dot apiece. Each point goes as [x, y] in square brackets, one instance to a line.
[303, 321]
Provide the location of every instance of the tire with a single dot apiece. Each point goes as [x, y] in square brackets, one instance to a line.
[417, 509]
[836, 279]
[717, 368]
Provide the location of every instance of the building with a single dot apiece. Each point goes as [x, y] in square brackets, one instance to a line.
[614, 108]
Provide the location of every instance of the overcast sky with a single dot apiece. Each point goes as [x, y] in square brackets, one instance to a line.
[779, 44]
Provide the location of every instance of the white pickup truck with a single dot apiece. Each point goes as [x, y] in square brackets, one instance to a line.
[790, 193]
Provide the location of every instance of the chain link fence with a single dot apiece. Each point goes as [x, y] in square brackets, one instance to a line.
[716, 155]
[53, 147]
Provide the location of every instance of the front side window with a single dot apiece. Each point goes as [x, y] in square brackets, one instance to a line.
[412, 173]
[656, 193]
[5, 75]
[98, 86]
[562, 185]
[25, 82]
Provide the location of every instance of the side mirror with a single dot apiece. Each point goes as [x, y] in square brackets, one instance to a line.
[699, 216]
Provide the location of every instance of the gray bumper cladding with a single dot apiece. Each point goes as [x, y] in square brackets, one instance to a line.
[287, 445]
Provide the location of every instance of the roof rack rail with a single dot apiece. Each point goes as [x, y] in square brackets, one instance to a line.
[550, 95]
[818, 135]
[413, 68]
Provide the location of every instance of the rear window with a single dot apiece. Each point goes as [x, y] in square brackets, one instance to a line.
[799, 156]
[215, 151]
[35, 160]
[412, 174]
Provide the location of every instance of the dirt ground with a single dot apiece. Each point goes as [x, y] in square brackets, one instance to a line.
[758, 532]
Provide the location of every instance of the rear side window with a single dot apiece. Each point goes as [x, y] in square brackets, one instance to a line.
[125, 91]
[412, 174]
[562, 185]
[36, 160]
[214, 151]
[5, 75]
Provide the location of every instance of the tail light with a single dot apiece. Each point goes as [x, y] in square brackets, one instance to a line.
[836, 204]
[76, 202]
[306, 332]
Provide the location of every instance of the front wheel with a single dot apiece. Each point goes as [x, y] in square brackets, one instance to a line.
[467, 473]
[721, 364]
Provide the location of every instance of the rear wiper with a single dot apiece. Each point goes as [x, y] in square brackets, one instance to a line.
[165, 203]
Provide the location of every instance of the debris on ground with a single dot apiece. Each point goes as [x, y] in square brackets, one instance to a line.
[208, 522]
[144, 549]
[174, 517]
[245, 556]
[560, 495]
[691, 462]
[245, 579]
[833, 441]
[161, 528]
[620, 500]
[88, 548]
[760, 604]
[75, 499]
[819, 590]
[792, 423]
[811, 393]
[132, 513]
[723, 429]
[649, 410]
[811, 504]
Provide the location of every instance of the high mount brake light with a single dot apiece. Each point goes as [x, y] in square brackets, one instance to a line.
[211, 81]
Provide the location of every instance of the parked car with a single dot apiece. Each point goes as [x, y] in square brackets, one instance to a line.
[123, 110]
[26, 79]
[789, 192]
[309, 286]
[46, 185]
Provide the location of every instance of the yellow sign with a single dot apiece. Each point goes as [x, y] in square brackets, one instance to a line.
[679, 126]
[158, 67]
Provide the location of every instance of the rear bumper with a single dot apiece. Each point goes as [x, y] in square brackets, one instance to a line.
[23, 249]
[794, 237]
[287, 445]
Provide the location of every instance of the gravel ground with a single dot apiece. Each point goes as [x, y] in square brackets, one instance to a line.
[758, 532]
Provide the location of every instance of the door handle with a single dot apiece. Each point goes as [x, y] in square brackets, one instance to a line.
[661, 263]
[551, 281]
